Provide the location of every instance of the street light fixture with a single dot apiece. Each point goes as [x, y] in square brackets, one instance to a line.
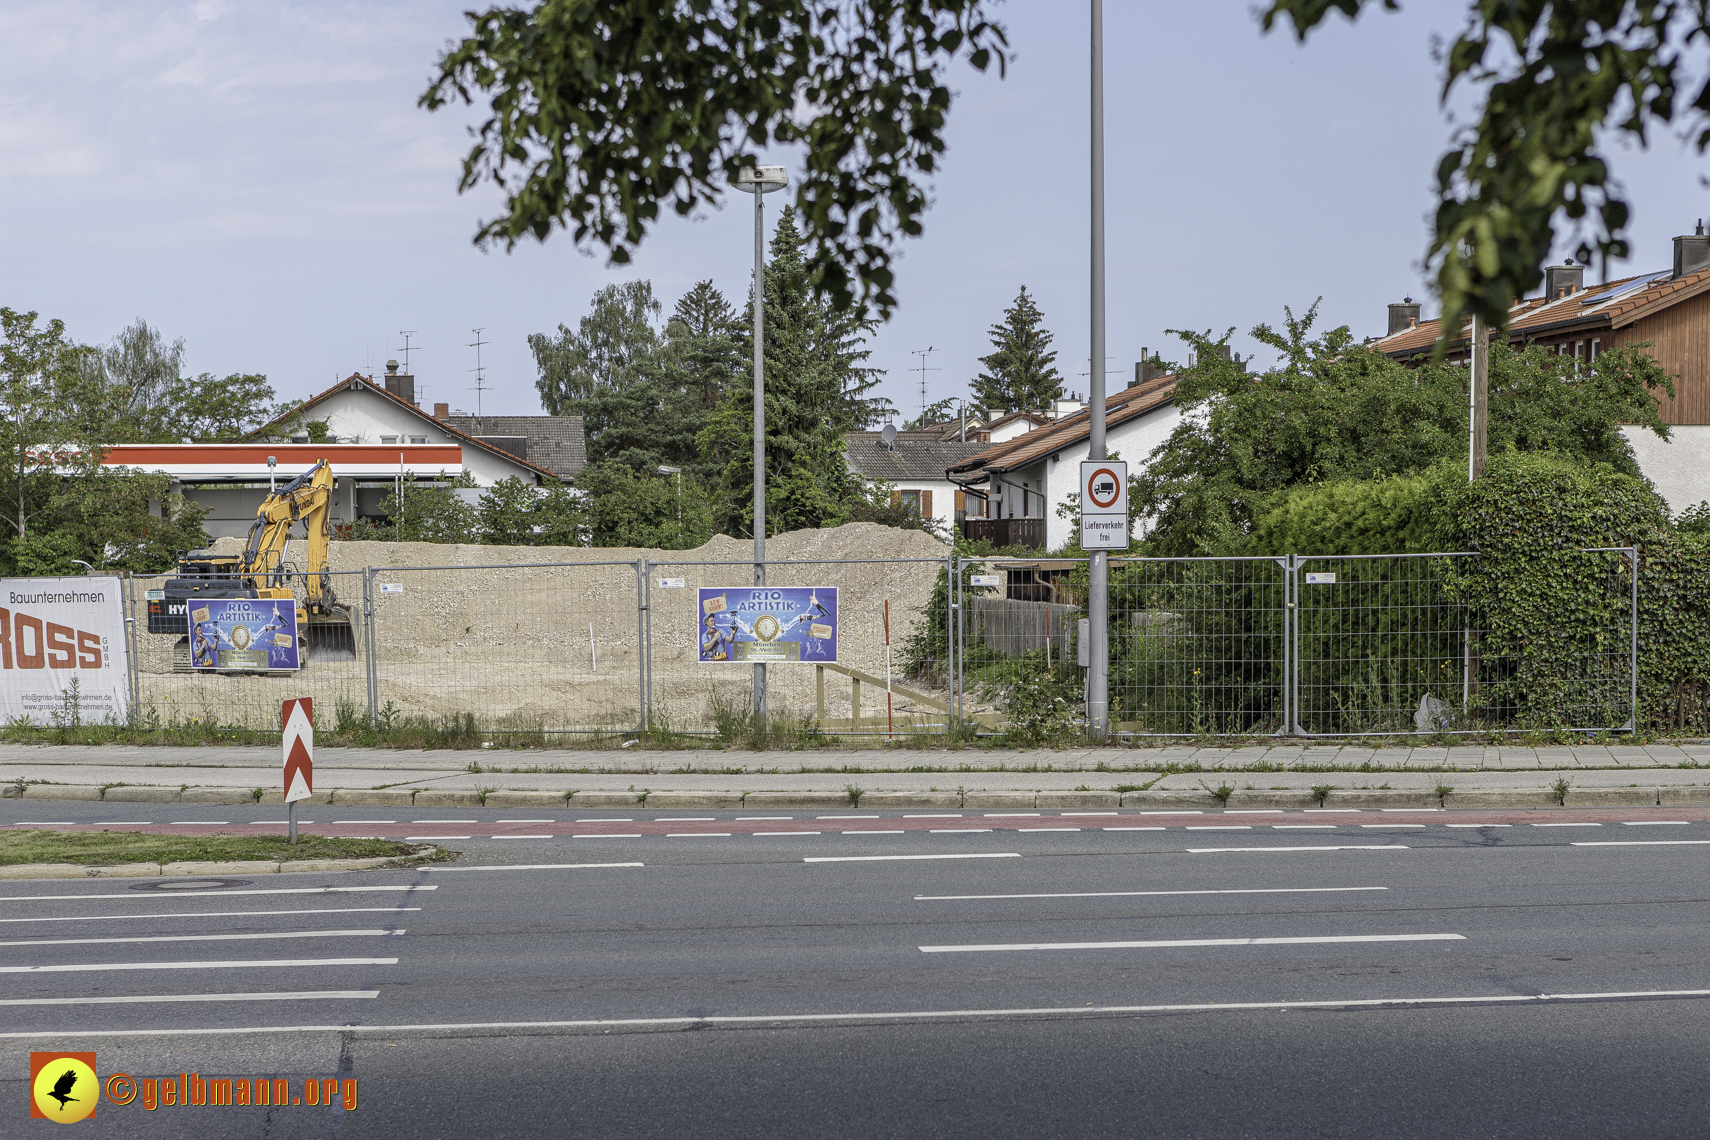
[760, 181]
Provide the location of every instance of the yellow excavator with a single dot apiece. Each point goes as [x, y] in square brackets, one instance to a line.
[324, 625]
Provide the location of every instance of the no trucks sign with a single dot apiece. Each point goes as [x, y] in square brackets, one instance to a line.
[1104, 504]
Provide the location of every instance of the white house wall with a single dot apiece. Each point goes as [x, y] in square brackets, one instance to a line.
[363, 417]
[1679, 467]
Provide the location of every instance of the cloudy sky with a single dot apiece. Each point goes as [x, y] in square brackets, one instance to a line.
[256, 178]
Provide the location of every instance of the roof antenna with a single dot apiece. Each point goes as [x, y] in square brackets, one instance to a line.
[407, 334]
[924, 354]
[480, 376]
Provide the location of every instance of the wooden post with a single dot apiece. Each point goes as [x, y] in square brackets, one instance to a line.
[855, 707]
[1477, 428]
[819, 690]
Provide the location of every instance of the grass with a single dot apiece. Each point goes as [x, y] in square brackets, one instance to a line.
[103, 848]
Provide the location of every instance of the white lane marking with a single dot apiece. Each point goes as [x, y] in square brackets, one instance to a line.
[1333, 811]
[680, 819]
[1567, 825]
[338, 821]
[1047, 829]
[1393, 826]
[133, 823]
[608, 819]
[220, 914]
[299, 995]
[1303, 827]
[209, 937]
[864, 832]
[649, 1023]
[409, 838]
[1253, 811]
[787, 833]
[445, 821]
[1172, 813]
[700, 834]
[1410, 809]
[1478, 825]
[884, 858]
[47, 823]
[1217, 850]
[136, 897]
[1641, 843]
[1222, 827]
[1656, 823]
[1151, 894]
[533, 867]
[275, 963]
[961, 831]
[628, 835]
[525, 821]
[196, 823]
[950, 815]
[846, 817]
[523, 836]
[1167, 944]
[1069, 813]
[1133, 829]
[275, 822]
[741, 818]
[1009, 814]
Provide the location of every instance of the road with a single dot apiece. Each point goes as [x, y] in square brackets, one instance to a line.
[947, 974]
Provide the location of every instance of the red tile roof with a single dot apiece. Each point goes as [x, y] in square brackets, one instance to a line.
[1129, 403]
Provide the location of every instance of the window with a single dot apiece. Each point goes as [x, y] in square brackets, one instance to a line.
[1591, 358]
[418, 439]
[388, 439]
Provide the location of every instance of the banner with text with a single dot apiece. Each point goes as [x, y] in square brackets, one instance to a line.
[62, 651]
[257, 634]
[768, 623]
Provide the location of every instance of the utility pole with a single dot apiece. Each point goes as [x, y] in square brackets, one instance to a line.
[1477, 424]
[759, 181]
[1098, 593]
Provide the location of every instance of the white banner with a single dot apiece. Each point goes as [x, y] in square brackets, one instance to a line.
[54, 631]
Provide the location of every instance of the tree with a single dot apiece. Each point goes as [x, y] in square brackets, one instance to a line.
[816, 384]
[629, 509]
[139, 363]
[603, 113]
[1020, 373]
[1333, 410]
[117, 518]
[1564, 86]
[424, 512]
[935, 413]
[51, 411]
[609, 350]
[146, 398]
[513, 512]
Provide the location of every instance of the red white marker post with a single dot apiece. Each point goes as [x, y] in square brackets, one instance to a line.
[297, 718]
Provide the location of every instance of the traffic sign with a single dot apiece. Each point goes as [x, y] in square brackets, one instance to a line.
[299, 749]
[1104, 504]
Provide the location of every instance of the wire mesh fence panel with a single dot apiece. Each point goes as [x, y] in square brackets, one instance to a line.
[707, 629]
[1197, 646]
[1382, 645]
[523, 649]
[332, 670]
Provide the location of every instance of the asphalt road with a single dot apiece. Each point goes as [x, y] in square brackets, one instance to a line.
[1289, 976]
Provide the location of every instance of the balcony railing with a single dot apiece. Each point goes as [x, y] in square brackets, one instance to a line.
[1006, 532]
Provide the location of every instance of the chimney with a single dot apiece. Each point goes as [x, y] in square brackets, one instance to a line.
[441, 411]
[1566, 279]
[1148, 367]
[1691, 252]
[1403, 316]
[400, 384]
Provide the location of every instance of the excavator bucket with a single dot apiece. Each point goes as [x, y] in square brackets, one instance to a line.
[330, 637]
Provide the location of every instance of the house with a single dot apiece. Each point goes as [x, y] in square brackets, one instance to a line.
[558, 443]
[374, 437]
[1669, 309]
[914, 463]
[1020, 482]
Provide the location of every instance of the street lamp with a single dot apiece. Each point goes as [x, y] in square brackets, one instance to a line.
[1098, 569]
[678, 472]
[760, 181]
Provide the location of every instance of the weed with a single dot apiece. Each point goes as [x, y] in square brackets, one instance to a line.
[1321, 791]
[854, 792]
[1222, 791]
[1082, 788]
[1561, 787]
[1441, 790]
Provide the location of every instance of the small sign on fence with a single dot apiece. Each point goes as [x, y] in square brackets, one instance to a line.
[986, 580]
[767, 623]
[391, 587]
[672, 583]
[1320, 579]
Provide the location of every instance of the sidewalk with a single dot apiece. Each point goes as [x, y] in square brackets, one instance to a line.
[1294, 767]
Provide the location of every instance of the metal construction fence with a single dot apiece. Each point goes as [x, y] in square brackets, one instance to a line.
[1291, 645]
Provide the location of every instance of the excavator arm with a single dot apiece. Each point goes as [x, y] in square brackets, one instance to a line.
[306, 499]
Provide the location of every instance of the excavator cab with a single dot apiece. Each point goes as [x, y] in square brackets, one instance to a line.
[325, 629]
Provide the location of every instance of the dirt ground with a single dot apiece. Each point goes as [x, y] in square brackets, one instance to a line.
[550, 637]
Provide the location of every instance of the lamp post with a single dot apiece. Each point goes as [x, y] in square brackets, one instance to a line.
[1098, 571]
[760, 181]
[678, 472]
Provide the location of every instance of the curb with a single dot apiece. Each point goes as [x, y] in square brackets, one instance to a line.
[161, 870]
[1159, 800]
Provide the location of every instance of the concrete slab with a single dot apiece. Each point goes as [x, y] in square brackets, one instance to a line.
[218, 796]
[237, 867]
[688, 800]
[78, 871]
[824, 800]
[1501, 798]
[1075, 800]
[136, 795]
[367, 797]
[1684, 797]
[887, 800]
[276, 796]
[603, 800]
[1239, 800]
[999, 800]
[1379, 799]
[1610, 797]
[62, 791]
[525, 799]
[447, 799]
[1171, 800]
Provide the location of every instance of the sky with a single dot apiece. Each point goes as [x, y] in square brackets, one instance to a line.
[256, 178]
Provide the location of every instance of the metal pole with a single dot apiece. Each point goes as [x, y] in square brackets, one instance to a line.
[1480, 396]
[642, 717]
[135, 644]
[647, 647]
[1633, 658]
[760, 425]
[372, 654]
[291, 818]
[1098, 673]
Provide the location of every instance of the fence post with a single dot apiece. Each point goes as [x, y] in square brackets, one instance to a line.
[819, 691]
[950, 633]
[133, 643]
[370, 653]
[1633, 653]
[1291, 648]
[642, 645]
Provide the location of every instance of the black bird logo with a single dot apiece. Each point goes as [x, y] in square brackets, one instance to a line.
[62, 1087]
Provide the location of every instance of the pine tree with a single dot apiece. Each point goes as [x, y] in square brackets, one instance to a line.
[1020, 375]
[816, 389]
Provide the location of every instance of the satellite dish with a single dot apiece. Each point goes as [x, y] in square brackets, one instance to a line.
[889, 434]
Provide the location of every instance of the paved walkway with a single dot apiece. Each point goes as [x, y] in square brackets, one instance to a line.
[1289, 766]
